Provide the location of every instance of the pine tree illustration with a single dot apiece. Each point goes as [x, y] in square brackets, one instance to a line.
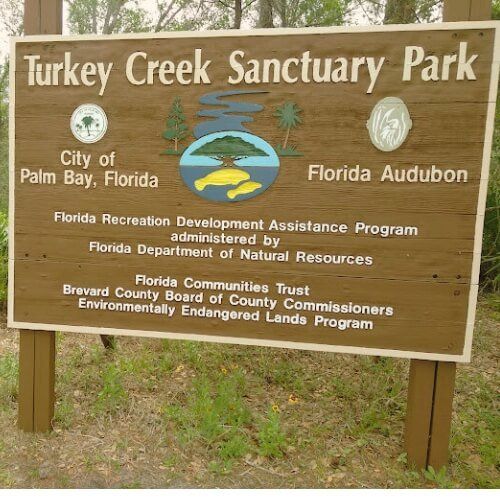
[176, 129]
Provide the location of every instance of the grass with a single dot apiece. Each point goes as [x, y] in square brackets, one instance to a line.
[290, 150]
[213, 415]
[8, 379]
[158, 413]
[3, 257]
[112, 395]
[272, 439]
[173, 152]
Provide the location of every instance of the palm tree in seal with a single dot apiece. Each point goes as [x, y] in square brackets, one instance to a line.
[87, 123]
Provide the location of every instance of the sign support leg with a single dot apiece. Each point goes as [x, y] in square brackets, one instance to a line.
[428, 418]
[37, 355]
[37, 351]
[444, 386]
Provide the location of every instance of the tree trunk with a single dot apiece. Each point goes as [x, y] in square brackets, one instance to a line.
[285, 142]
[227, 161]
[94, 19]
[238, 12]
[266, 14]
[176, 141]
[107, 17]
[282, 11]
[116, 14]
[400, 12]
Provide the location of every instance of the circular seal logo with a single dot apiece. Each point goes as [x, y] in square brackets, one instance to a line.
[89, 123]
[229, 166]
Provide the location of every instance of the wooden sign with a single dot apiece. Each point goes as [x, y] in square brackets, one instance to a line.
[319, 189]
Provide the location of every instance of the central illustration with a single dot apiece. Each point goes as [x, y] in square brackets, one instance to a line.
[226, 162]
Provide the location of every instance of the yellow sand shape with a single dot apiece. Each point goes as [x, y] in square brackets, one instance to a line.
[222, 177]
[245, 188]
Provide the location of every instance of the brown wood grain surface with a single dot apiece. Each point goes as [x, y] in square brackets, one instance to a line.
[441, 414]
[420, 309]
[472, 10]
[419, 411]
[426, 277]
[412, 262]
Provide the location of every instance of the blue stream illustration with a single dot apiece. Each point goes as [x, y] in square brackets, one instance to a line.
[222, 120]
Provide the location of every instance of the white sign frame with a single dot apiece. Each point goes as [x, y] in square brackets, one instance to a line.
[474, 286]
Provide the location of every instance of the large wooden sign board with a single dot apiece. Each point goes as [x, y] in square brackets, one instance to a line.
[318, 189]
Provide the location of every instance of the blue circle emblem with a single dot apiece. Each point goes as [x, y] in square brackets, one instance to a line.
[229, 166]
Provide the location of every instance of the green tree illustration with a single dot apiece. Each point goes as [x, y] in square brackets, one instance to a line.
[288, 118]
[87, 122]
[228, 149]
[176, 129]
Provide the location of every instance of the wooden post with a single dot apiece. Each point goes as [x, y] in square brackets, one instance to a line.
[428, 413]
[432, 383]
[466, 10]
[37, 350]
[42, 17]
[36, 380]
[442, 404]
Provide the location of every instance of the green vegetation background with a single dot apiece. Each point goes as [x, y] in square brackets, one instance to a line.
[4, 180]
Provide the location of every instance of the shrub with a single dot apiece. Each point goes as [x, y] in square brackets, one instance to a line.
[272, 439]
[490, 263]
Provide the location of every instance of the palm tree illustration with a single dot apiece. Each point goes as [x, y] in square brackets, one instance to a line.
[87, 122]
[288, 118]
